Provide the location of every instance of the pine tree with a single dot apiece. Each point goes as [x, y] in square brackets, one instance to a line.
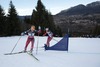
[27, 23]
[41, 17]
[27, 20]
[2, 21]
[13, 21]
[38, 18]
[96, 31]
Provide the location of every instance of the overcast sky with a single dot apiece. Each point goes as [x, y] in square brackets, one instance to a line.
[25, 7]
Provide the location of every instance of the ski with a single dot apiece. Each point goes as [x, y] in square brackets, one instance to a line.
[32, 56]
[28, 52]
[15, 53]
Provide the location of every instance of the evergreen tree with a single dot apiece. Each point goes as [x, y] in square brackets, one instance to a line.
[27, 23]
[58, 31]
[38, 18]
[27, 20]
[2, 21]
[96, 31]
[13, 21]
[41, 17]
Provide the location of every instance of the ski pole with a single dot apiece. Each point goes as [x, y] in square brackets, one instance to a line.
[38, 39]
[55, 40]
[16, 44]
[37, 44]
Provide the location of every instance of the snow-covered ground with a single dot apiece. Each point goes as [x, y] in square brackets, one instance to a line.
[83, 52]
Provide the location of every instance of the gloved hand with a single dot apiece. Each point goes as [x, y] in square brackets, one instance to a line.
[22, 34]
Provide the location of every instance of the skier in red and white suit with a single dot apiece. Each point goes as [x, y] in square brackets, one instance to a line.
[50, 36]
[31, 32]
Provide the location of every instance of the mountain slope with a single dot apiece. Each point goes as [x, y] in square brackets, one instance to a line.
[92, 8]
[80, 20]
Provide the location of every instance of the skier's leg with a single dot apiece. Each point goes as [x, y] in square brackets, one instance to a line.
[32, 46]
[48, 41]
[27, 42]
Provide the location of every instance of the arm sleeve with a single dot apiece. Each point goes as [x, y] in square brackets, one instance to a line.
[44, 34]
[25, 32]
[38, 31]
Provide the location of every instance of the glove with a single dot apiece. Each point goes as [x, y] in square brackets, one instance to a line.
[39, 28]
[22, 34]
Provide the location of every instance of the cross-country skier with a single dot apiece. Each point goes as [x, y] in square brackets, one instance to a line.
[31, 32]
[50, 36]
